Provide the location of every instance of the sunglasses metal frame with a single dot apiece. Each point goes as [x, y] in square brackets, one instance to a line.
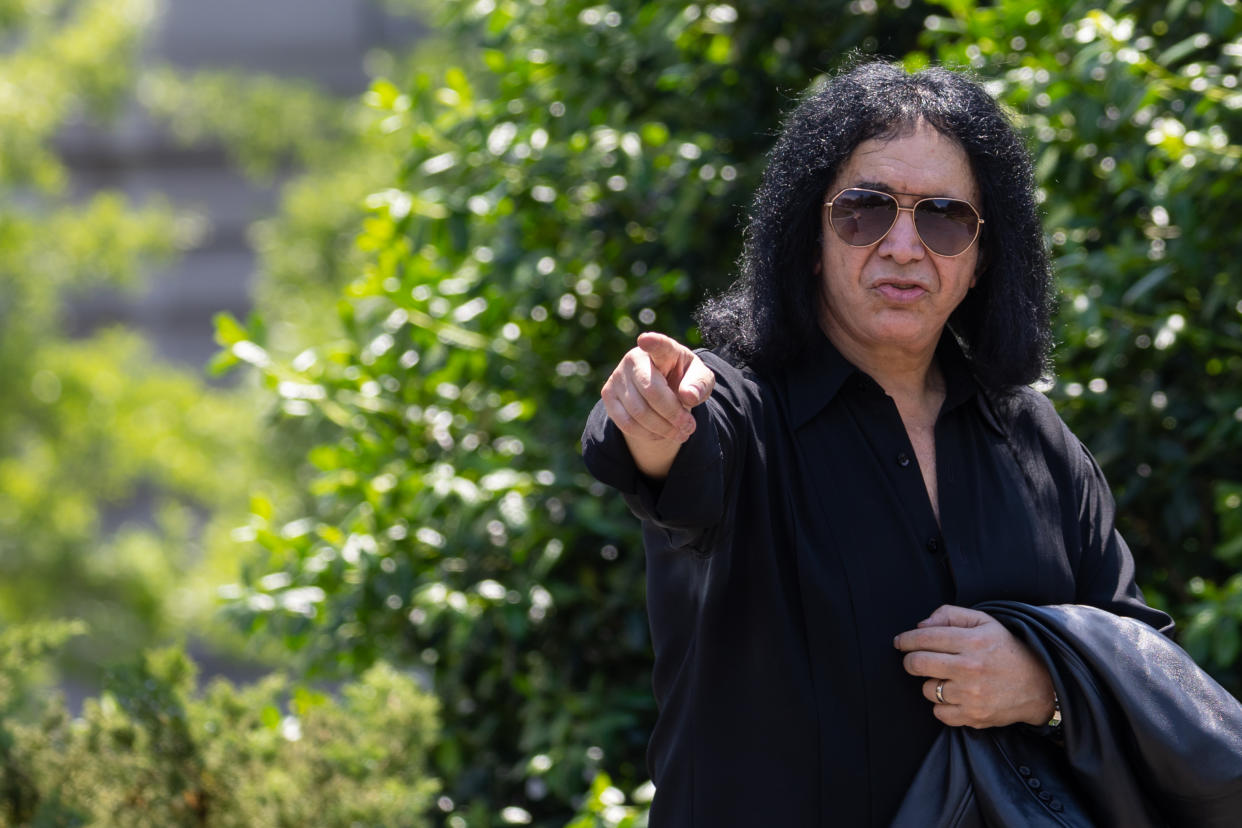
[911, 211]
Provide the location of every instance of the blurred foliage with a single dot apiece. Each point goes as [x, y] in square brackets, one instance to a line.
[562, 183]
[104, 428]
[299, 123]
[110, 462]
[121, 477]
[59, 59]
[341, 149]
[606, 806]
[151, 752]
[443, 294]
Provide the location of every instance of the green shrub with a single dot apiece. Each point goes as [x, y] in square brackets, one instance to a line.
[151, 752]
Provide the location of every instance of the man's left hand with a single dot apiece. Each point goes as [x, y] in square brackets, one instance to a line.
[991, 679]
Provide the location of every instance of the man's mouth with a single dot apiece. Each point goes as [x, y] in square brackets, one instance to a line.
[900, 291]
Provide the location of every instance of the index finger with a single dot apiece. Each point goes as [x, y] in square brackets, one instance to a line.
[949, 615]
[950, 640]
[666, 353]
[652, 386]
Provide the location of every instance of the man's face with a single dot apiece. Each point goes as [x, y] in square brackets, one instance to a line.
[896, 296]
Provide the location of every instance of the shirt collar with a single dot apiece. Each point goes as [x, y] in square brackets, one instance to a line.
[815, 377]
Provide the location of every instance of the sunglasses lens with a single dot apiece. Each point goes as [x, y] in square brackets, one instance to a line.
[862, 217]
[947, 226]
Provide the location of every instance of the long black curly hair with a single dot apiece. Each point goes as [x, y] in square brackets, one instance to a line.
[771, 312]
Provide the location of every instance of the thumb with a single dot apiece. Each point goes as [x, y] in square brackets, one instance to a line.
[948, 615]
[696, 383]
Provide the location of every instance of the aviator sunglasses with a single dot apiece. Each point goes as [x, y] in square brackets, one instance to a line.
[946, 226]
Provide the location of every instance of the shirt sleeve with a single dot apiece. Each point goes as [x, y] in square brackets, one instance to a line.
[1105, 576]
[691, 499]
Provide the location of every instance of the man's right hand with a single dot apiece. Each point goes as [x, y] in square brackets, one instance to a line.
[649, 397]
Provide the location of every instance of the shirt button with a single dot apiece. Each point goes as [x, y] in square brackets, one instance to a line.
[1045, 796]
[903, 459]
[1022, 769]
[1033, 783]
[1055, 805]
[933, 546]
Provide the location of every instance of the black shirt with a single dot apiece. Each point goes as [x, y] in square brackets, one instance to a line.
[793, 538]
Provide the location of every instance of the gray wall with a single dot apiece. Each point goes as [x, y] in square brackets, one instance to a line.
[325, 41]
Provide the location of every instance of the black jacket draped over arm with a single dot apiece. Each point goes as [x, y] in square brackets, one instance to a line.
[1149, 738]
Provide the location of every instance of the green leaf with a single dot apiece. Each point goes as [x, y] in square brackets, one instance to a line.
[222, 363]
[228, 330]
[270, 717]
